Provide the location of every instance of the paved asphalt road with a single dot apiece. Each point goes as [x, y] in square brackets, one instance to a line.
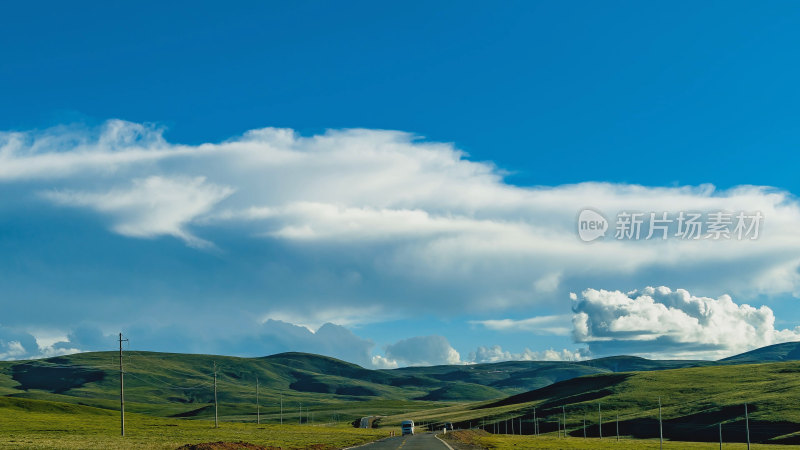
[422, 441]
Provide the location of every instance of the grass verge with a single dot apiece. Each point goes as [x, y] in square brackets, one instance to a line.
[37, 424]
[481, 439]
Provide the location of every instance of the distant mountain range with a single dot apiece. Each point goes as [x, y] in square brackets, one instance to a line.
[789, 351]
[172, 384]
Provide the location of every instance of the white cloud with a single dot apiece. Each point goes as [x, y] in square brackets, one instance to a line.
[18, 344]
[329, 339]
[52, 351]
[62, 152]
[315, 318]
[659, 322]
[153, 206]
[367, 220]
[496, 353]
[381, 362]
[12, 350]
[422, 351]
[556, 324]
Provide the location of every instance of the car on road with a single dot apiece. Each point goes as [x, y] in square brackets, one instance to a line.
[448, 426]
[407, 426]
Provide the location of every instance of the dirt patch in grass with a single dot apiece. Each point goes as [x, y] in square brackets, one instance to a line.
[225, 446]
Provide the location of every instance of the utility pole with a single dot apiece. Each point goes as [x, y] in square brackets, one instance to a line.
[617, 426]
[584, 424]
[281, 408]
[301, 414]
[216, 412]
[258, 407]
[564, 415]
[121, 389]
[720, 436]
[747, 425]
[600, 424]
[535, 423]
[660, 427]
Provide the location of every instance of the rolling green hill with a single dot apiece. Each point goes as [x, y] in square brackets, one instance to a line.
[169, 384]
[695, 400]
[312, 387]
[788, 351]
[172, 384]
[462, 392]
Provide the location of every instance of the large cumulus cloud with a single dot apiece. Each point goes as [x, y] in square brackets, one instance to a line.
[660, 322]
[339, 227]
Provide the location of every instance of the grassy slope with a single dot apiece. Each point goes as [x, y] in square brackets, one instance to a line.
[788, 351]
[694, 401]
[178, 384]
[167, 384]
[40, 424]
[462, 392]
[502, 442]
[511, 376]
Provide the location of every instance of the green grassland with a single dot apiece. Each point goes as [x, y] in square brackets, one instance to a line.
[694, 401]
[28, 423]
[73, 401]
[503, 442]
[180, 384]
[169, 384]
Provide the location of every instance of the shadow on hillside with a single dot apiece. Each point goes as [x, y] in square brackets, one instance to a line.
[57, 379]
[566, 392]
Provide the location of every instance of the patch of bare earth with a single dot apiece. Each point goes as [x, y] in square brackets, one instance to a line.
[225, 446]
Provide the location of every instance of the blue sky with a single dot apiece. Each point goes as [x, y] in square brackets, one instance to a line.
[135, 195]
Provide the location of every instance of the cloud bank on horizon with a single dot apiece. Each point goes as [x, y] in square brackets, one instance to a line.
[272, 229]
[644, 322]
